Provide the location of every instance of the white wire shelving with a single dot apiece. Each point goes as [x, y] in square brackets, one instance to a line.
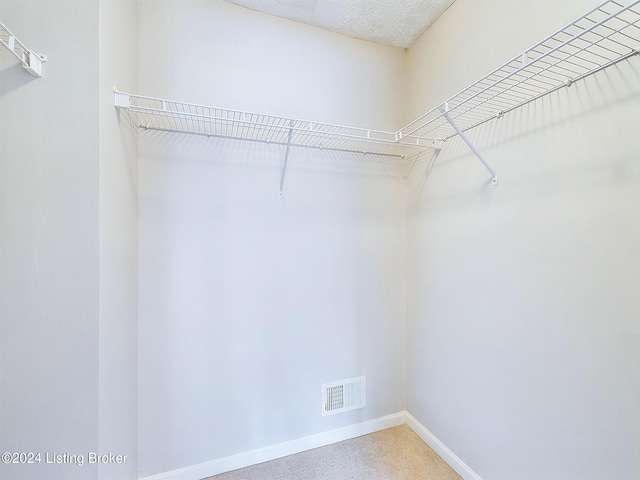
[600, 38]
[30, 60]
[172, 116]
[604, 36]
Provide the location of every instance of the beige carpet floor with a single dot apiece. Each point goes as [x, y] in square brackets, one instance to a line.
[393, 454]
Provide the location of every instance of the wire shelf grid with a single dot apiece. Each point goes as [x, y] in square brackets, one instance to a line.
[30, 60]
[602, 37]
[172, 116]
[15, 46]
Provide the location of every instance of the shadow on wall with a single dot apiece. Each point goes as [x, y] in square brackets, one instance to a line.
[255, 154]
[13, 78]
[129, 138]
[576, 138]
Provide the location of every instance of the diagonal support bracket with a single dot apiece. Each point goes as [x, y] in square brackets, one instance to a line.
[30, 60]
[286, 158]
[445, 111]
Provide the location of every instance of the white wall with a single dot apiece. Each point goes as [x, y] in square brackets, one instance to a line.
[49, 239]
[249, 302]
[523, 307]
[473, 38]
[118, 347]
[522, 333]
[213, 53]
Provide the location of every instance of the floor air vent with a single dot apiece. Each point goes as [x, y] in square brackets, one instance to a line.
[342, 396]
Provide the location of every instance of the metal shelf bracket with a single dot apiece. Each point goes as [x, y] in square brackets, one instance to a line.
[30, 60]
[123, 100]
[602, 37]
[444, 109]
[286, 158]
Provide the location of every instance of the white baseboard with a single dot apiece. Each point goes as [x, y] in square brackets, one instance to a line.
[440, 448]
[226, 464]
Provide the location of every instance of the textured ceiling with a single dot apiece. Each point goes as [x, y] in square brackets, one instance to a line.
[390, 22]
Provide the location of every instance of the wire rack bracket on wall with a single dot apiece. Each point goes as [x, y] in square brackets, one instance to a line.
[600, 38]
[604, 36]
[170, 115]
[30, 60]
[149, 113]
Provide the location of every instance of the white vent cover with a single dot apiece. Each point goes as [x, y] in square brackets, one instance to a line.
[342, 396]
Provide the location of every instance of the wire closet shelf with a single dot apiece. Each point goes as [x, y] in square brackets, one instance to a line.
[608, 34]
[30, 60]
[600, 38]
[171, 116]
